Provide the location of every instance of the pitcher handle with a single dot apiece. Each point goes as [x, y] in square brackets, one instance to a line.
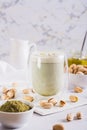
[33, 45]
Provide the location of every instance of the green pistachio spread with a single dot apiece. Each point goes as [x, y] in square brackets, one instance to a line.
[14, 106]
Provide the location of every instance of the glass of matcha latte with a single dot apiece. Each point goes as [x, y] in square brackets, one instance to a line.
[48, 70]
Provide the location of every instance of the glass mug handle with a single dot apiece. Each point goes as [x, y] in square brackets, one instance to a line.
[66, 73]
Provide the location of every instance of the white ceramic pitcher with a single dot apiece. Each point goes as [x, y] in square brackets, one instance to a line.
[19, 53]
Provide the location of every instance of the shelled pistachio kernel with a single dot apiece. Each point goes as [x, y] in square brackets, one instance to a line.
[46, 104]
[78, 89]
[53, 101]
[79, 115]
[28, 98]
[69, 117]
[73, 98]
[62, 103]
[58, 127]
[25, 91]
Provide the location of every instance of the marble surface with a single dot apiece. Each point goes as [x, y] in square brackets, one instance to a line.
[48, 23]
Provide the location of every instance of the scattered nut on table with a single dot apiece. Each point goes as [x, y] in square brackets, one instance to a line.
[79, 115]
[58, 127]
[78, 89]
[46, 104]
[62, 103]
[53, 101]
[73, 98]
[69, 117]
[28, 98]
[25, 91]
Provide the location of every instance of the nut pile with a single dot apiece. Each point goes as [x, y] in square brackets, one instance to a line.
[78, 69]
[8, 93]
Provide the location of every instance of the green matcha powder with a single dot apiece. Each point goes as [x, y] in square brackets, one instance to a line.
[14, 106]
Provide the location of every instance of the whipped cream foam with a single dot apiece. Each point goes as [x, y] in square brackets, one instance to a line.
[48, 57]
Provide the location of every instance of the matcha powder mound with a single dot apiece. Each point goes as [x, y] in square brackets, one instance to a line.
[14, 106]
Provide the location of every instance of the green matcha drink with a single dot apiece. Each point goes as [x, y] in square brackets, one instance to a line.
[48, 73]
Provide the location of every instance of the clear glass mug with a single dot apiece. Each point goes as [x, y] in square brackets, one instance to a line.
[49, 71]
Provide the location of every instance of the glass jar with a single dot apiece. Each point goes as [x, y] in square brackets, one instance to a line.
[75, 58]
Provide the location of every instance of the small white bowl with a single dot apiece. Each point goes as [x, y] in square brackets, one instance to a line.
[16, 119]
[77, 80]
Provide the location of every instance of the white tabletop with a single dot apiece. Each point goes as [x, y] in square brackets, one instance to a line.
[46, 122]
